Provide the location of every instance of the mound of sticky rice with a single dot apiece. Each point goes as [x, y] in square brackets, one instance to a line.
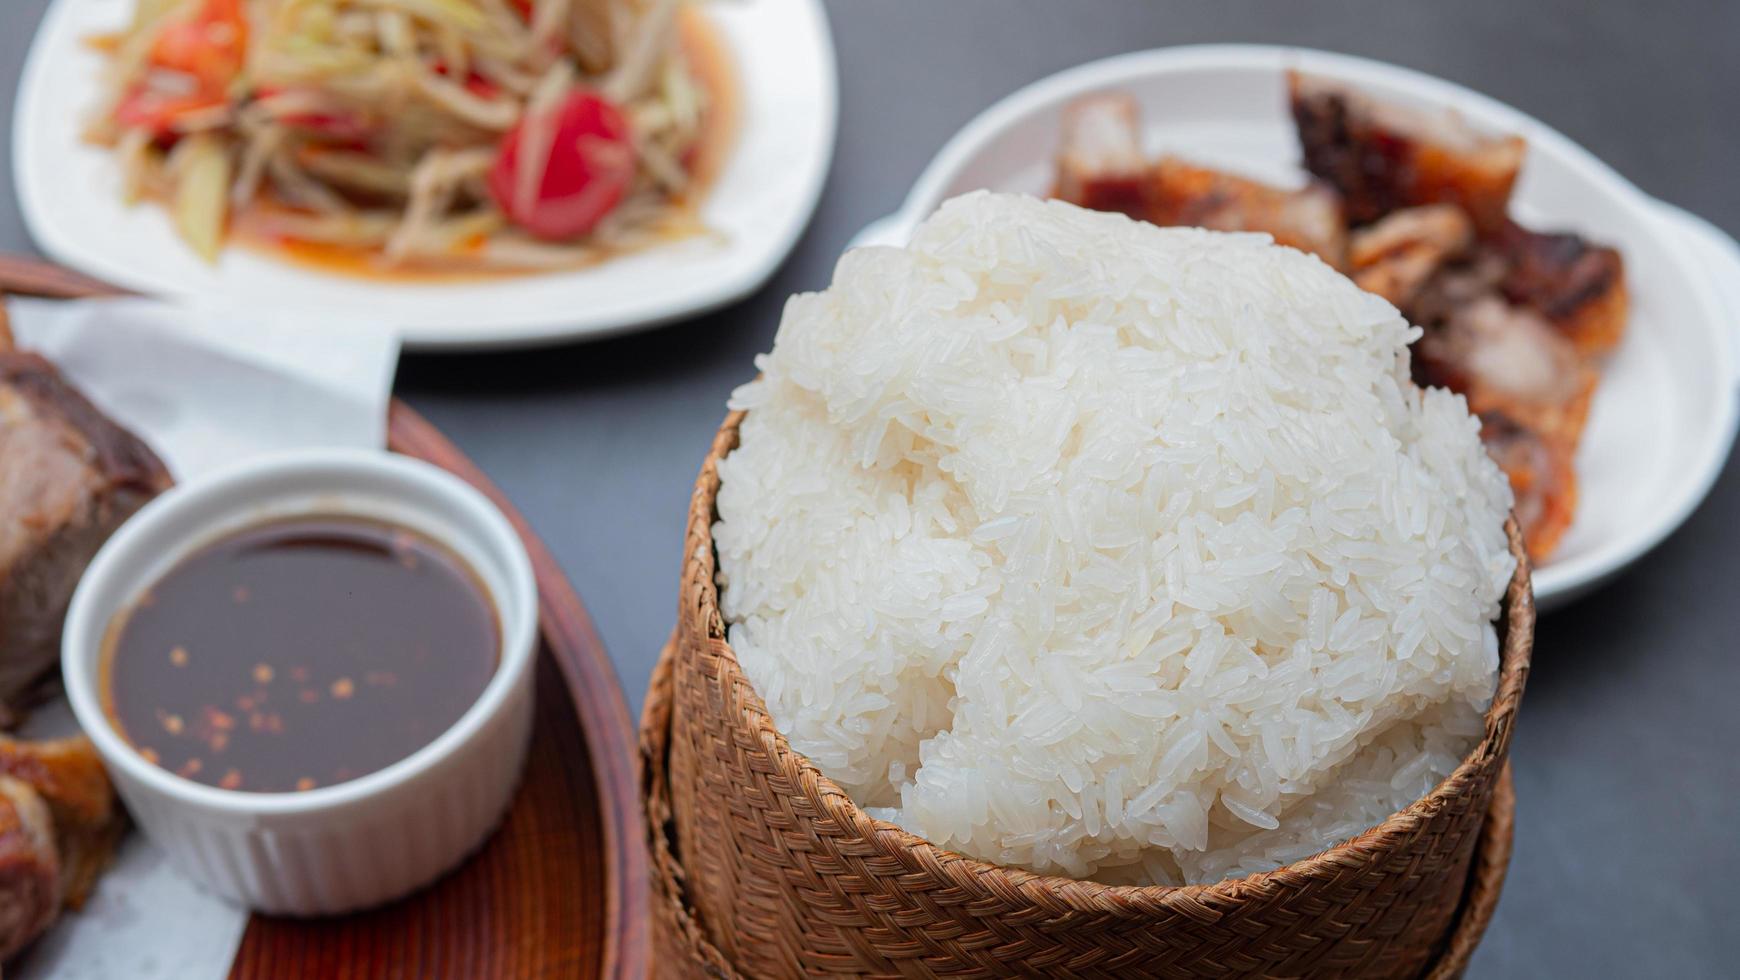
[1112, 551]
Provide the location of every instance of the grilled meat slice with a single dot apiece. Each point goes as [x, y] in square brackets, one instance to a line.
[1578, 285]
[69, 776]
[70, 477]
[1100, 165]
[1383, 158]
[1525, 378]
[1309, 219]
[1396, 256]
[1542, 477]
[59, 825]
[1508, 359]
[1511, 317]
[30, 871]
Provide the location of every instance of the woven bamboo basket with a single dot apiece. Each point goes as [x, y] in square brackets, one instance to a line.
[681, 951]
[775, 872]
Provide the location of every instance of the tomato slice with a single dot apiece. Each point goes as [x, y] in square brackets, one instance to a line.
[587, 173]
[208, 48]
[210, 45]
[154, 111]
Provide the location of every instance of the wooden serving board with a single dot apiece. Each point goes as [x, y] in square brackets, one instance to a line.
[560, 890]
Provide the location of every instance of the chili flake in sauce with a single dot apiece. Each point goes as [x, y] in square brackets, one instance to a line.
[300, 653]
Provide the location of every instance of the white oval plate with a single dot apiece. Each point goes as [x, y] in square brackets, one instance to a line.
[1664, 417]
[783, 56]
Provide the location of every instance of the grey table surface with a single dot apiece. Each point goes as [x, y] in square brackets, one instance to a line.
[1627, 757]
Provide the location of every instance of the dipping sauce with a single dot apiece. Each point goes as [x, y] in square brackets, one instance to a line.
[300, 653]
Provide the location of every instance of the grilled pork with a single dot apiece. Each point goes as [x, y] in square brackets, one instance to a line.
[1101, 166]
[1414, 207]
[1577, 285]
[1399, 254]
[58, 829]
[1383, 158]
[68, 477]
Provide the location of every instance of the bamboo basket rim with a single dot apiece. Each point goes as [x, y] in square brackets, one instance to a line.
[1486, 873]
[1516, 616]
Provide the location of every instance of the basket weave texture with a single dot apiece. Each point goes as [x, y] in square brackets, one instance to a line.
[782, 875]
[682, 952]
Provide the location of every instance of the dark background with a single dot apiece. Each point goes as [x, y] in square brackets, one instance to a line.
[1627, 758]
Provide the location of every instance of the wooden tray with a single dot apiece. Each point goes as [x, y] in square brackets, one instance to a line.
[561, 888]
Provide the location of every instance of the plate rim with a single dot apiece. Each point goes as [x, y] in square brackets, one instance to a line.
[555, 324]
[1555, 583]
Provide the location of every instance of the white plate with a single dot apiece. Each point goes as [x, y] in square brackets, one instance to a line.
[782, 54]
[1664, 417]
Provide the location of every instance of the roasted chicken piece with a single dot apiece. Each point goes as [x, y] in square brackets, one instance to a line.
[1383, 158]
[1577, 285]
[1101, 166]
[68, 477]
[58, 829]
[1399, 254]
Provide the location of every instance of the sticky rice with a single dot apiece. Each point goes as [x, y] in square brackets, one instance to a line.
[1111, 551]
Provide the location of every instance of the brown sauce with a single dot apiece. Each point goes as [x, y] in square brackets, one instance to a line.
[300, 653]
[711, 64]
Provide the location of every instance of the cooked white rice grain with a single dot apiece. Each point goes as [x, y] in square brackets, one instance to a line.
[1112, 551]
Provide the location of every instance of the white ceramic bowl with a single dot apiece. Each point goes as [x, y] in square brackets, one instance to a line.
[1664, 417]
[781, 51]
[350, 845]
